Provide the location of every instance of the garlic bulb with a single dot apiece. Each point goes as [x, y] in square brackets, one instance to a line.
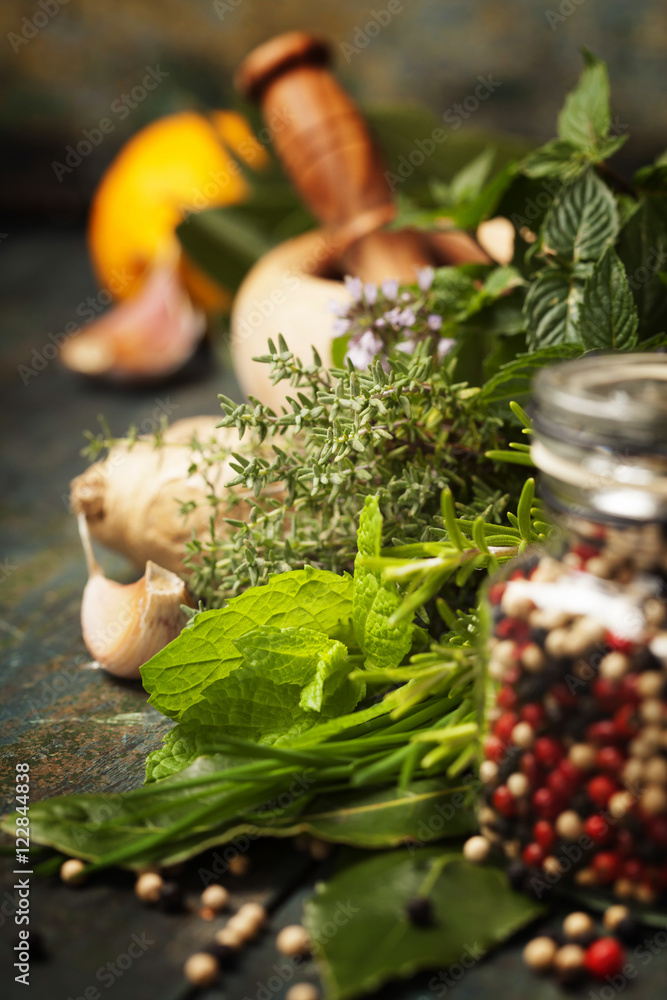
[124, 625]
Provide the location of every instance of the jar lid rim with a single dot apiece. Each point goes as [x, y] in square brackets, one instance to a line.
[625, 392]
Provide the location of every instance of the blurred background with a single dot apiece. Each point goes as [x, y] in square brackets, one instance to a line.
[65, 63]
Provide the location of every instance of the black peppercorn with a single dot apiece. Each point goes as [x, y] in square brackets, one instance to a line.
[225, 955]
[170, 899]
[516, 873]
[629, 930]
[420, 911]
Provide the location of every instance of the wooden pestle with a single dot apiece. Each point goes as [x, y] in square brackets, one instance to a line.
[330, 156]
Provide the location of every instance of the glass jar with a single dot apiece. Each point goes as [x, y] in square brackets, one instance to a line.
[574, 764]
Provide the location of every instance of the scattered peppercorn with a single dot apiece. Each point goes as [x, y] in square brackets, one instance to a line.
[148, 887]
[201, 969]
[420, 911]
[293, 940]
[72, 871]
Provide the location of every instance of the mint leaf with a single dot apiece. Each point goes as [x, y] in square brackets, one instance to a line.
[498, 283]
[652, 178]
[470, 180]
[205, 652]
[516, 377]
[181, 746]
[608, 316]
[289, 679]
[376, 600]
[474, 909]
[582, 220]
[551, 310]
[585, 118]
[642, 247]
[555, 159]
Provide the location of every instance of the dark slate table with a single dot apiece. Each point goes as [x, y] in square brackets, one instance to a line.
[80, 729]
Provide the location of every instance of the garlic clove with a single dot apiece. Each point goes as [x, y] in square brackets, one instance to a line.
[148, 336]
[496, 236]
[124, 625]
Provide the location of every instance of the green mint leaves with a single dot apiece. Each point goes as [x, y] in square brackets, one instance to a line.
[585, 132]
[275, 661]
[376, 600]
[608, 316]
[582, 221]
[176, 678]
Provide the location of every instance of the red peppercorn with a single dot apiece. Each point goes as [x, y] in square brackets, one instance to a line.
[563, 696]
[533, 713]
[507, 698]
[559, 784]
[544, 834]
[494, 749]
[546, 803]
[549, 752]
[517, 574]
[625, 722]
[598, 829]
[605, 957]
[586, 552]
[632, 869]
[513, 628]
[600, 789]
[502, 727]
[603, 731]
[607, 866]
[617, 643]
[572, 773]
[608, 694]
[661, 879]
[629, 688]
[610, 760]
[528, 765]
[626, 843]
[496, 591]
[504, 801]
[657, 831]
[532, 855]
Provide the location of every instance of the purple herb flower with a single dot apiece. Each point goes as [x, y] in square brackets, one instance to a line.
[425, 278]
[362, 351]
[445, 345]
[355, 287]
[370, 293]
[434, 321]
[390, 289]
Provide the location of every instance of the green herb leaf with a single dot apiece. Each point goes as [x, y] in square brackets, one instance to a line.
[206, 652]
[181, 746]
[288, 679]
[585, 118]
[555, 159]
[552, 310]
[515, 378]
[473, 907]
[375, 599]
[608, 317]
[642, 247]
[582, 220]
[425, 811]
